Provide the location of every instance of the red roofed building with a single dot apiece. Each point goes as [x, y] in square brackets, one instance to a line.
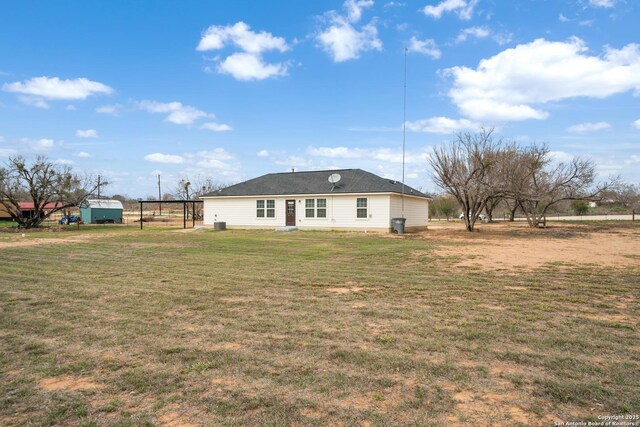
[27, 209]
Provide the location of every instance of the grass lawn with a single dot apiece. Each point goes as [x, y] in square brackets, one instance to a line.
[116, 326]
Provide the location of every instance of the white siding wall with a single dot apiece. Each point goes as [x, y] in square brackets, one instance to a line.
[240, 212]
[416, 210]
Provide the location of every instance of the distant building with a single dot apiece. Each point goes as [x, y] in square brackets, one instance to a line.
[355, 200]
[96, 211]
[28, 209]
[4, 212]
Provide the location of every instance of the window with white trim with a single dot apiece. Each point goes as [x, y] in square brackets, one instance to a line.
[321, 208]
[361, 207]
[271, 208]
[315, 208]
[309, 208]
[265, 208]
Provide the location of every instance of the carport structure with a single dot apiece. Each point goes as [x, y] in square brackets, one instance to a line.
[186, 204]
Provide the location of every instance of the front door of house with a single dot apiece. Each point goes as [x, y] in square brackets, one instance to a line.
[291, 212]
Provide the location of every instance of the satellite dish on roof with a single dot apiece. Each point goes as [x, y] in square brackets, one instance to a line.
[334, 178]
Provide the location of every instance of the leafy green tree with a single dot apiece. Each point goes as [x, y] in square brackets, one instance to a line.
[580, 207]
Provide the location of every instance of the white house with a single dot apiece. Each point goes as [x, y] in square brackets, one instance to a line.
[348, 199]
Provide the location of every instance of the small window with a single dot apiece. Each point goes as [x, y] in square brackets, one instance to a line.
[309, 205]
[361, 205]
[321, 205]
[260, 208]
[271, 208]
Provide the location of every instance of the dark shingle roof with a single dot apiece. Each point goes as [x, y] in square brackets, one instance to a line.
[315, 182]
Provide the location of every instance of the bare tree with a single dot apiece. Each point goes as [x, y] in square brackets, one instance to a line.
[187, 189]
[44, 183]
[512, 205]
[624, 194]
[538, 184]
[492, 203]
[464, 170]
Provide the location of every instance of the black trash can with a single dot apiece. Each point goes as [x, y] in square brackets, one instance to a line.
[397, 225]
[220, 225]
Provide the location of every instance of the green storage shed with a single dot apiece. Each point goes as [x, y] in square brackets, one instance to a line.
[97, 211]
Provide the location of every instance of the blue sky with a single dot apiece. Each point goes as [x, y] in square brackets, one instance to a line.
[233, 90]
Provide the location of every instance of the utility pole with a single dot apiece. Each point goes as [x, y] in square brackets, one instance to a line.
[404, 124]
[98, 186]
[159, 196]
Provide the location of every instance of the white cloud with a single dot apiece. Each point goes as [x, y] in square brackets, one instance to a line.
[354, 8]
[218, 160]
[427, 47]
[503, 38]
[637, 124]
[588, 127]
[442, 125]
[602, 3]
[70, 107]
[560, 156]
[249, 63]
[33, 101]
[240, 34]
[177, 112]
[563, 18]
[379, 154]
[55, 88]
[43, 144]
[6, 152]
[89, 133]
[164, 158]
[342, 40]
[263, 153]
[295, 162]
[65, 162]
[477, 32]
[216, 127]
[464, 8]
[512, 84]
[84, 155]
[248, 66]
[113, 109]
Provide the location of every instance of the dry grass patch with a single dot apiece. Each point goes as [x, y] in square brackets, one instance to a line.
[160, 328]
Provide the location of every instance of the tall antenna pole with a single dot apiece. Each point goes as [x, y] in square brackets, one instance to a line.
[159, 196]
[404, 125]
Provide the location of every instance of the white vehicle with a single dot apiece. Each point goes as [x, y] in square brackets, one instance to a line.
[481, 217]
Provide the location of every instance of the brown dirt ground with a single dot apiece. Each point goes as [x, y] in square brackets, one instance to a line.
[502, 246]
[67, 383]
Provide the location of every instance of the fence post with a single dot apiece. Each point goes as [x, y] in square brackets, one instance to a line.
[633, 215]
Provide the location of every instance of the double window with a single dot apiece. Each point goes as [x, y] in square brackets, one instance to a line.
[361, 207]
[315, 208]
[266, 208]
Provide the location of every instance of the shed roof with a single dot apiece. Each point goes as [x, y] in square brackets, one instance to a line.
[315, 182]
[102, 204]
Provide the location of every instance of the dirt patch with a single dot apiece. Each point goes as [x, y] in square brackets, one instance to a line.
[515, 246]
[223, 346]
[20, 242]
[227, 382]
[345, 290]
[493, 307]
[174, 419]
[67, 383]
[478, 408]
[311, 412]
